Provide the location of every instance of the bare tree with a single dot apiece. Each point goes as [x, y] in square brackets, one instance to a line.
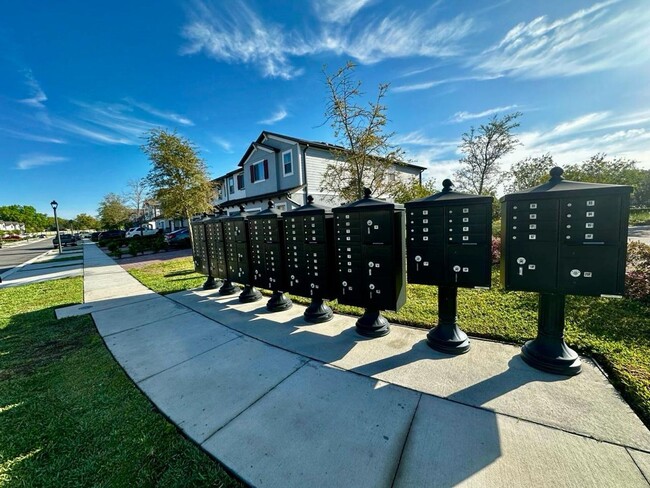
[367, 158]
[136, 194]
[483, 148]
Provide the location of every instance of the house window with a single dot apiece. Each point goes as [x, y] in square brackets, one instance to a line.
[231, 185]
[287, 163]
[260, 171]
[240, 181]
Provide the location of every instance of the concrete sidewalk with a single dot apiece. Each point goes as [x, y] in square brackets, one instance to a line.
[284, 403]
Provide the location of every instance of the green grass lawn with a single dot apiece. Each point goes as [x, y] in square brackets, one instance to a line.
[69, 416]
[639, 217]
[614, 331]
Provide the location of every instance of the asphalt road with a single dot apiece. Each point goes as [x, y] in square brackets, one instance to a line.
[13, 256]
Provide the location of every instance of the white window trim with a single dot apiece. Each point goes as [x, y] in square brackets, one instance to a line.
[282, 161]
[263, 179]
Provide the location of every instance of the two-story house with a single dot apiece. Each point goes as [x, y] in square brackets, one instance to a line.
[284, 169]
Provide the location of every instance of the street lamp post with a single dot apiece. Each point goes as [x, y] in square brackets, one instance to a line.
[56, 222]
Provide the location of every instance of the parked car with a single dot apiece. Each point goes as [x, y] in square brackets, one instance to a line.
[94, 236]
[179, 238]
[111, 234]
[141, 231]
[11, 237]
[66, 240]
[42, 236]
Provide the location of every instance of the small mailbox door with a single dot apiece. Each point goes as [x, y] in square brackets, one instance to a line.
[378, 275]
[532, 267]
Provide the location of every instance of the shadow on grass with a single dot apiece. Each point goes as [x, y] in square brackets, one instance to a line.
[179, 273]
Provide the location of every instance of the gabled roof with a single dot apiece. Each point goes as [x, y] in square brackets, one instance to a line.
[255, 198]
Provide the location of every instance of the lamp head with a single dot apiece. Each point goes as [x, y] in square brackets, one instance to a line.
[54, 204]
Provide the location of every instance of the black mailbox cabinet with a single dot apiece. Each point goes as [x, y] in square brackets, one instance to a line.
[238, 266]
[563, 238]
[370, 253]
[216, 251]
[200, 252]
[268, 267]
[448, 240]
[309, 251]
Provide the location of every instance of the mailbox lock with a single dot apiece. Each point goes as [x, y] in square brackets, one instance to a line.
[371, 286]
[345, 283]
[521, 260]
[418, 259]
[575, 273]
[371, 264]
[456, 268]
[369, 222]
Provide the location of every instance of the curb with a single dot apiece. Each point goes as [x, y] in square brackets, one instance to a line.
[16, 268]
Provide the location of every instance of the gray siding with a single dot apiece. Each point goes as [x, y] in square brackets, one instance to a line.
[266, 186]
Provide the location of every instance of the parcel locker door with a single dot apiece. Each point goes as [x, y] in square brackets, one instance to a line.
[425, 265]
[273, 267]
[590, 270]
[348, 259]
[469, 266]
[531, 267]
[258, 264]
[376, 227]
[379, 276]
[316, 258]
[243, 265]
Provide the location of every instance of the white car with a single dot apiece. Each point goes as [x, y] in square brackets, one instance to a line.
[140, 231]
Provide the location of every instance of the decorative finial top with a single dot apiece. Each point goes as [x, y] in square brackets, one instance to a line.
[556, 173]
[447, 184]
[366, 193]
[310, 199]
[271, 204]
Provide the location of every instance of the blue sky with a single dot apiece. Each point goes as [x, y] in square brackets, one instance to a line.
[81, 82]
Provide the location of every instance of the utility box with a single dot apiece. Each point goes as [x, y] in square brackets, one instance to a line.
[238, 266]
[268, 267]
[565, 237]
[215, 246]
[199, 248]
[449, 239]
[309, 250]
[370, 259]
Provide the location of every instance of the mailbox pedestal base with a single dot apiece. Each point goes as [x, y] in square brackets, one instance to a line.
[278, 302]
[372, 324]
[228, 288]
[446, 336]
[548, 351]
[210, 283]
[249, 294]
[318, 312]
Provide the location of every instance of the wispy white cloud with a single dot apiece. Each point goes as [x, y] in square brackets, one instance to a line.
[236, 34]
[433, 83]
[32, 137]
[591, 39]
[37, 96]
[279, 115]
[174, 117]
[223, 143]
[463, 116]
[30, 161]
[578, 124]
[338, 11]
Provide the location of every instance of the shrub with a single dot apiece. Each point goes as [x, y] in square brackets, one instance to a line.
[135, 247]
[117, 253]
[158, 244]
[637, 272]
[496, 250]
[113, 246]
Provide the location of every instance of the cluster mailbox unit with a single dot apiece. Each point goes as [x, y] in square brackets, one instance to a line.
[216, 252]
[308, 245]
[449, 236]
[235, 234]
[370, 258]
[266, 230]
[563, 238]
[200, 254]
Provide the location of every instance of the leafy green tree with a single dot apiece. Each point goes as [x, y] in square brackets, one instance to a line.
[84, 221]
[529, 172]
[25, 214]
[178, 177]
[405, 191]
[367, 158]
[480, 171]
[112, 212]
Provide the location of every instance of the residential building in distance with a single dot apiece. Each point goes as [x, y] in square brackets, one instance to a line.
[284, 169]
[12, 227]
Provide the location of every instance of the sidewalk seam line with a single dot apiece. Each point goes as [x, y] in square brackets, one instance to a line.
[186, 360]
[406, 439]
[627, 449]
[210, 436]
[110, 308]
[142, 325]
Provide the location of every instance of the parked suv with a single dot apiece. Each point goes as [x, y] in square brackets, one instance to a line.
[111, 234]
[66, 240]
[141, 231]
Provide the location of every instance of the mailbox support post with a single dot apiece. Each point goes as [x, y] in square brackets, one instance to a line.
[446, 336]
[278, 302]
[249, 294]
[210, 283]
[372, 324]
[228, 288]
[548, 351]
[318, 311]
